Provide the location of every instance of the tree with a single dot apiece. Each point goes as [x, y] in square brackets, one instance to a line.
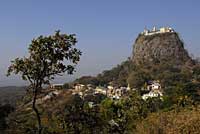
[66, 86]
[138, 78]
[4, 110]
[87, 80]
[121, 115]
[47, 56]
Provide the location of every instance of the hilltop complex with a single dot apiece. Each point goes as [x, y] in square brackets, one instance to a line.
[155, 46]
[156, 31]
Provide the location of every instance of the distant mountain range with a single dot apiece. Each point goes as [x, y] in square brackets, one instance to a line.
[10, 94]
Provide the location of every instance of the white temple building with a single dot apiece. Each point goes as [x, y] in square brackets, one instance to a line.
[147, 32]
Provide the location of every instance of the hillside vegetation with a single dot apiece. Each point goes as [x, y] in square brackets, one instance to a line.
[165, 59]
[183, 121]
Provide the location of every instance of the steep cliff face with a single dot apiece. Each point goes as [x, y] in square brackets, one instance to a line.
[158, 48]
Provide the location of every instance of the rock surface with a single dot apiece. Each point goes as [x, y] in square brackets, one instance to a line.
[158, 48]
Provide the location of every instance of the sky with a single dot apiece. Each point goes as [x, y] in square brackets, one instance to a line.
[105, 29]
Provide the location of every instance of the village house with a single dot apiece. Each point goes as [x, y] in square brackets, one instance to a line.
[56, 86]
[79, 87]
[119, 92]
[153, 93]
[79, 90]
[116, 93]
[154, 88]
[90, 86]
[100, 90]
[153, 85]
[110, 87]
[50, 95]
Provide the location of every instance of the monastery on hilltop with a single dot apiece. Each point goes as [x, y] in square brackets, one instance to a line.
[156, 31]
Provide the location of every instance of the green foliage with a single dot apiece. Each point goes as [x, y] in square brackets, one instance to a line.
[4, 110]
[138, 78]
[196, 73]
[47, 56]
[76, 116]
[117, 75]
[154, 104]
[187, 121]
[122, 115]
[87, 80]
[66, 86]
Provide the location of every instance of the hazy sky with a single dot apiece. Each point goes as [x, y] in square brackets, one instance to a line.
[105, 29]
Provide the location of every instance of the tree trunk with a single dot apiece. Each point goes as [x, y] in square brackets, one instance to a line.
[37, 112]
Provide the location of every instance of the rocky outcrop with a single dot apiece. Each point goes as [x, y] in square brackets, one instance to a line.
[158, 48]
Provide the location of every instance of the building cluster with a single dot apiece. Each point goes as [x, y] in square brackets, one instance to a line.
[48, 95]
[56, 86]
[147, 32]
[109, 91]
[154, 90]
